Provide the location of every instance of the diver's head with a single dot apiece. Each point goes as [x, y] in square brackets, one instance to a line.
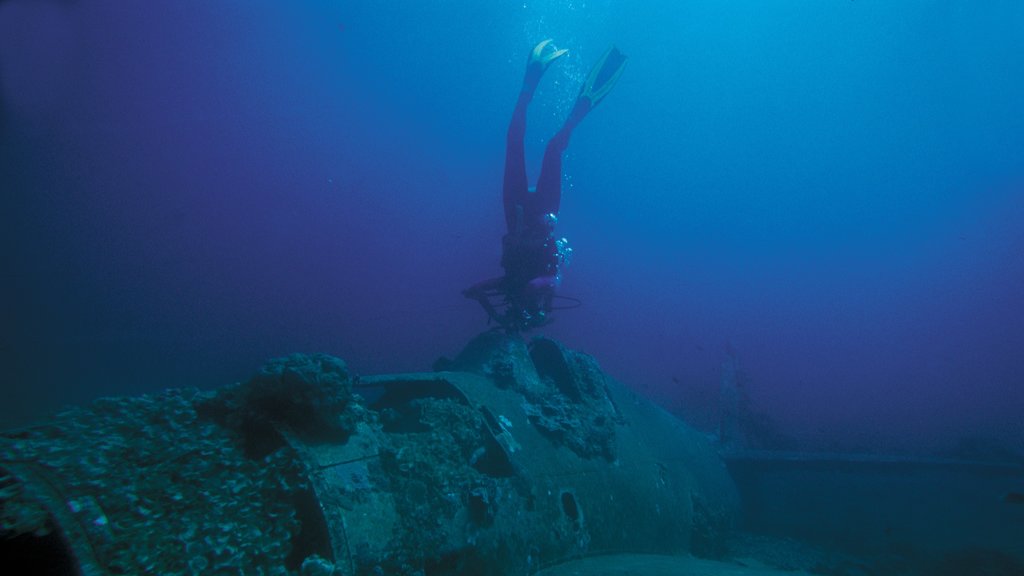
[517, 320]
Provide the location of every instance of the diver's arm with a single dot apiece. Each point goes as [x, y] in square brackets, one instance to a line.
[483, 291]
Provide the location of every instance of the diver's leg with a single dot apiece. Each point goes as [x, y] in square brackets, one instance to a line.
[515, 186]
[599, 82]
[548, 197]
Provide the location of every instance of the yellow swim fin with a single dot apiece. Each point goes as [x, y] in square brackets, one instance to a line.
[538, 62]
[603, 76]
[539, 58]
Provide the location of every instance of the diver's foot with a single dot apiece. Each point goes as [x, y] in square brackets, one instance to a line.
[540, 58]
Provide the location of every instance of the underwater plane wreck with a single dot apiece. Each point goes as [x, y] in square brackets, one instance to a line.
[507, 460]
[514, 458]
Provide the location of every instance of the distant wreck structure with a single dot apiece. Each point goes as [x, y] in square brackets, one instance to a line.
[509, 458]
[741, 427]
[733, 403]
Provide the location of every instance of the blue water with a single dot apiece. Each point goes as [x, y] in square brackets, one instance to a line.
[834, 189]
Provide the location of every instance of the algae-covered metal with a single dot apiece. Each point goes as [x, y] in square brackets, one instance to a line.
[509, 458]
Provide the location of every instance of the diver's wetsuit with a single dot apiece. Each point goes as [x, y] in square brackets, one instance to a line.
[531, 255]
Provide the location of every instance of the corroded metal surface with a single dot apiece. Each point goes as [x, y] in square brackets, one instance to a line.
[511, 457]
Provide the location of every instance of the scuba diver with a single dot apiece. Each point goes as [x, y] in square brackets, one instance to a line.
[532, 257]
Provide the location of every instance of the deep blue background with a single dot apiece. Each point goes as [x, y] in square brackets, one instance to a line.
[834, 188]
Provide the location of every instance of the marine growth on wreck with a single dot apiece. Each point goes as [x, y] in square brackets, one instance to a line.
[504, 460]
